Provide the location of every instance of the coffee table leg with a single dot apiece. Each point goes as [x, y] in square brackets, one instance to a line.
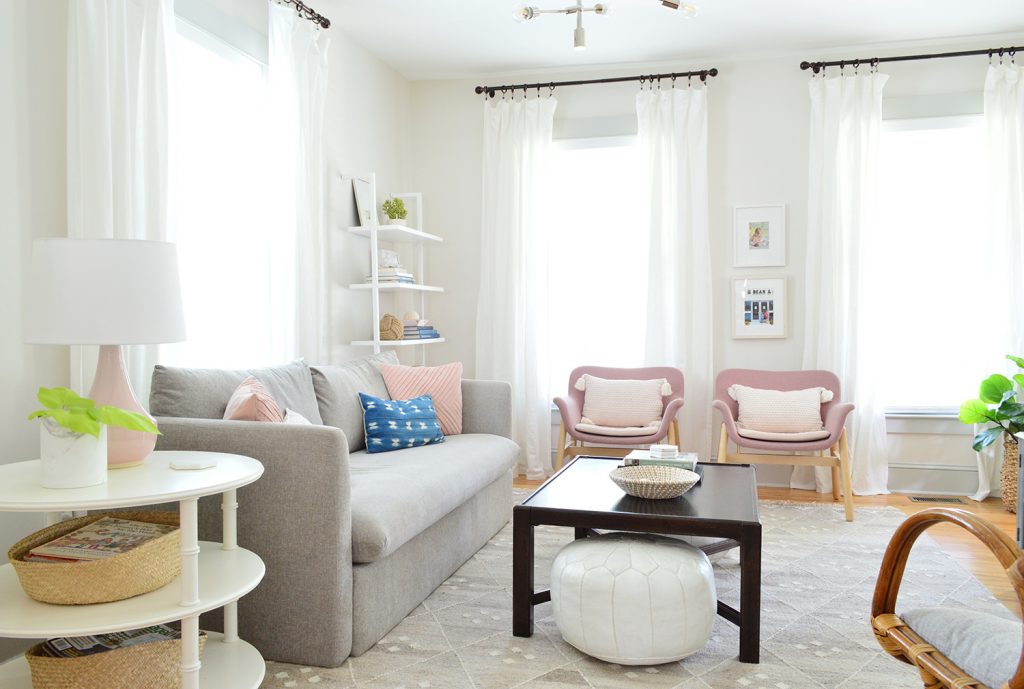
[750, 594]
[522, 574]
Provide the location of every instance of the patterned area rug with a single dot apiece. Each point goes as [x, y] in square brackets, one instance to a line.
[818, 576]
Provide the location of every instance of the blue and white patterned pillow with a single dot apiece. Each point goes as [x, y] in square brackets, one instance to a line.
[397, 424]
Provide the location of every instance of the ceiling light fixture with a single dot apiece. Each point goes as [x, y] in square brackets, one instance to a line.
[688, 9]
[579, 36]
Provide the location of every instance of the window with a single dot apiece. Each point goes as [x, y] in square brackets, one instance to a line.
[222, 206]
[931, 287]
[598, 250]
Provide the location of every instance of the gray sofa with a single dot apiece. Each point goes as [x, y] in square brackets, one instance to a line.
[352, 542]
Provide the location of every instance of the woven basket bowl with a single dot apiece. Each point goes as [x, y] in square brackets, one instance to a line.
[141, 570]
[654, 482]
[153, 665]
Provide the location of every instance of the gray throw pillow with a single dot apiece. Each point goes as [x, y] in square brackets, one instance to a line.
[337, 391]
[203, 393]
[984, 646]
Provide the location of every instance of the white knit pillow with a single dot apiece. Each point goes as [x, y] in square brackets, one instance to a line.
[622, 402]
[777, 411]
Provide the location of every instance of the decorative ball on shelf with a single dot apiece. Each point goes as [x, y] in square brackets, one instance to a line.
[391, 328]
[411, 316]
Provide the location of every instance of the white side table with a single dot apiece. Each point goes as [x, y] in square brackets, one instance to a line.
[213, 575]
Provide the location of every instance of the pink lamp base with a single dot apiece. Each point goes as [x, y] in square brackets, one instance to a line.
[111, 386]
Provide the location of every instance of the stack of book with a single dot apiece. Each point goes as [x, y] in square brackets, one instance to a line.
[389, 276]
[78, 646]
[99, 540]
[419, 330]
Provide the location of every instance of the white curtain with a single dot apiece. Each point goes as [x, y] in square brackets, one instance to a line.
[846, 120]
[1004, 122]
[117, 128]
[673, 134]
[512, 312]
[297, 85]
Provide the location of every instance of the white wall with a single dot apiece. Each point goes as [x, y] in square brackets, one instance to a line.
[758, 147]
[32, 204]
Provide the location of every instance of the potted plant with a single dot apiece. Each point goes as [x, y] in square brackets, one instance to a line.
[395, 210]
[998, 404]
[73, 437]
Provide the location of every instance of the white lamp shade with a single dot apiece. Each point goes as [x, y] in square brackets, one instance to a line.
[103, 292]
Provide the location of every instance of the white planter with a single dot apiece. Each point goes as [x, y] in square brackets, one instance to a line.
[69, 459]
[396, 221]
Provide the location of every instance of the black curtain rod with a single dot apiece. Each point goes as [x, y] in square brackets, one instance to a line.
[869, 61]
[307, 12]
[702, 73]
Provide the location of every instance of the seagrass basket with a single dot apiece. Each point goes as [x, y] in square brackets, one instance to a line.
[1008, 474]
[654, 482]
[140, 570]
[153, 665]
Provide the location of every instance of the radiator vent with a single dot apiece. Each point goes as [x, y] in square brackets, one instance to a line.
[937, 498]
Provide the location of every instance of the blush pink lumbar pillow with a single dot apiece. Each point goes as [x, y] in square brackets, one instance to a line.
[251, 402]
[442, 383]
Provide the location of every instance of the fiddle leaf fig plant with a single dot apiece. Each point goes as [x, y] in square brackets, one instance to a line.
[997, 403]
[80, 414]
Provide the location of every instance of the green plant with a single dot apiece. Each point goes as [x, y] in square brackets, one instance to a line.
[395, 208]
[997, 403]
[81, 415]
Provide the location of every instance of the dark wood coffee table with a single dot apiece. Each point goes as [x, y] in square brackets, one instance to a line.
[723, 505]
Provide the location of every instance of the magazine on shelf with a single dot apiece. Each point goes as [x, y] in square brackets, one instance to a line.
[78, 646]
[101, 539]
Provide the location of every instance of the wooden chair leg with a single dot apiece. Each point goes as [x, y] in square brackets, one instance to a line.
[723, 446]
[560, 459]
[844, 468]
[836, 491]
[673, 433]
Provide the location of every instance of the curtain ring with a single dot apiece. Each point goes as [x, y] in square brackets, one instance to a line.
[1012, 54]
[538, 90]
[551, 89]
[856, 67]
[689, 81]
[673, 81]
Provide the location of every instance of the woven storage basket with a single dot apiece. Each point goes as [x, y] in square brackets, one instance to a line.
[140, 570]
[654, 482]
[1008, 474]
[153, 665]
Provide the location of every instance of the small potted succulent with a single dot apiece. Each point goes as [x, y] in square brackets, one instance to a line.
[73, 437]
[395, 210]
[998, 404]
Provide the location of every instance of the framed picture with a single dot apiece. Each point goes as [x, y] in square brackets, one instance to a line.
[759, 307]
[363, 191]
[759, 236]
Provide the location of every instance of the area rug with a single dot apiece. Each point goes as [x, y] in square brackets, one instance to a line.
[818, 575]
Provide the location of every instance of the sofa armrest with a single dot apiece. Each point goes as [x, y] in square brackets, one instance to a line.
[487, 407]
[298, 519]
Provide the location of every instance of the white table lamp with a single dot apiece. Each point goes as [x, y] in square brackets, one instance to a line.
[106, 292]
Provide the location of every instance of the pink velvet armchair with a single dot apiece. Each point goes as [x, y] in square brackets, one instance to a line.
[832, 451]
[571, 409]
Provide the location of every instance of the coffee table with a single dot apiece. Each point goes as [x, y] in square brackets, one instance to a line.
[722, 505]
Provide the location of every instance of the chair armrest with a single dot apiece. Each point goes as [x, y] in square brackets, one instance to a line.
[569, 410]
[835, 418]
[487, 407]
[298, 519]
[726, 411]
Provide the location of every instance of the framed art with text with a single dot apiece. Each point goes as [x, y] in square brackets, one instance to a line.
[759, 307]
[759, 236]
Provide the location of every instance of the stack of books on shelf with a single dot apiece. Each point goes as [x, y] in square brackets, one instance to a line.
[419, 330]
[390, 276]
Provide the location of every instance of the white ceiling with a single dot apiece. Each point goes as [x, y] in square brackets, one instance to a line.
[431, 39]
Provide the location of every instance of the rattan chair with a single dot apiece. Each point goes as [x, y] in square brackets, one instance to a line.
[897, 638]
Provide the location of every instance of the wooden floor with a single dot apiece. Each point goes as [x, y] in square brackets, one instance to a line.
[955, 541]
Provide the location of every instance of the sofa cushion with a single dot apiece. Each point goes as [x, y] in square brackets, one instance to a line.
[337, 393]
[984, 646]
[251, 402]
[443, 384]
[780, 411]
[396, 495]
[203, 393]
[396, 424]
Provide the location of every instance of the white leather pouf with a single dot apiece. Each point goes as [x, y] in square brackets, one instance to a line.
[633, 599]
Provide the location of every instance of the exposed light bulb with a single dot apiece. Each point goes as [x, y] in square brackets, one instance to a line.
[601, 8]
[579, 39]
[688, 9]
[525, 14]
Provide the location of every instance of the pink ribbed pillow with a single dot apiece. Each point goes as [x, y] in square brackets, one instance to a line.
[251, 402]
[443, 383]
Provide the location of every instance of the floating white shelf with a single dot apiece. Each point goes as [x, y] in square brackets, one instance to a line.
[397, 343]
[224, 576]
[397, 287]
[396, 233]
[235, 665]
